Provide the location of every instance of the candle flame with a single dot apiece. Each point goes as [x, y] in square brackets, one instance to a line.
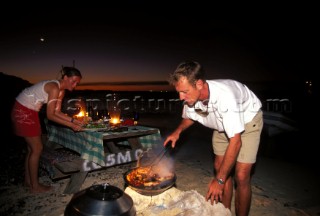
[115, 121]
[80, 114]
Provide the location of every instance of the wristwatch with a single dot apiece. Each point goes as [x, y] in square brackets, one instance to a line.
[220, 181]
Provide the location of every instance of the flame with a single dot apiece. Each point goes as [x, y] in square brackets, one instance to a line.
[115, 121]
[80, 114]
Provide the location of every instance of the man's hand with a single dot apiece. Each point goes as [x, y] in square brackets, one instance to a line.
[215, 191]
[173, 138]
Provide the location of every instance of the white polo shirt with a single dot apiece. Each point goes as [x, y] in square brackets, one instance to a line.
[231, 105]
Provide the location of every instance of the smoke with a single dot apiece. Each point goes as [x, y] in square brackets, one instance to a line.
[159, 159]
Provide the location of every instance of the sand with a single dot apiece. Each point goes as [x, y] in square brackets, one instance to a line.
[279, 187]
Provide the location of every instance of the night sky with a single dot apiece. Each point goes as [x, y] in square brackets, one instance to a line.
[141, 44]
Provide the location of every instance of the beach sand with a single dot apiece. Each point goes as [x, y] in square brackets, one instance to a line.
[279, 187]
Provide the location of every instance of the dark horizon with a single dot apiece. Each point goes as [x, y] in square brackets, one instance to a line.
[302, 111]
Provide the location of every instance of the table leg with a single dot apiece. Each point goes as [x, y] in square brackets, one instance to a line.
[135, 143]
[75, 182]
[112, 147]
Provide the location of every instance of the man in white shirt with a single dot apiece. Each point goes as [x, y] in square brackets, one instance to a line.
[234, 113]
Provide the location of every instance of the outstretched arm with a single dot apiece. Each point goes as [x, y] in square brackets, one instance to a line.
[55, 97]
[185, 123]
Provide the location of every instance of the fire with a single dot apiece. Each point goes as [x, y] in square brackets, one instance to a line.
[80, 114]
[115, 121]
[115, 117]
[147, 176]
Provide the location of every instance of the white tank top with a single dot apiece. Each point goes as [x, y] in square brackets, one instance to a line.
[35, 96]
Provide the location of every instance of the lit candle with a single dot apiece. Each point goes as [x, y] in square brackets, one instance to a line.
[80, 115]
[115, 121]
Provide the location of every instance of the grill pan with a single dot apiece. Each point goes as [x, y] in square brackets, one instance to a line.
[150, 190]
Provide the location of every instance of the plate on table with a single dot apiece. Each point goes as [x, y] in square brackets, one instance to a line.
[95, 127]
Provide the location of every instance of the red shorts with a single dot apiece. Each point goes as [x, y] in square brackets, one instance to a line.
[25, 121]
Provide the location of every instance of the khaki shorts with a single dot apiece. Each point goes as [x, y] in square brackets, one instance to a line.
[250, 140]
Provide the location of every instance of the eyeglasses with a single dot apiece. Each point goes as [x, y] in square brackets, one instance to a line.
[202, 112]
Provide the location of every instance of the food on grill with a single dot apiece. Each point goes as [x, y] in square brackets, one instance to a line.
[147, 177]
